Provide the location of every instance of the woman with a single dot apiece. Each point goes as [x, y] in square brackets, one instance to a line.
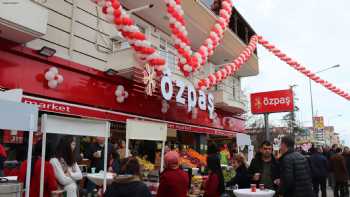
[173, 181]
[129, 185]
[215, 185]
[65, 166]
[50, 183]
[241, 179]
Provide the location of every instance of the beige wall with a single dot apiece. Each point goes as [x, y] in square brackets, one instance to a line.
[74, 32]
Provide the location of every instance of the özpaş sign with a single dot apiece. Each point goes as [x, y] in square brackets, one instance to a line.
[272, 102]
[205, 101]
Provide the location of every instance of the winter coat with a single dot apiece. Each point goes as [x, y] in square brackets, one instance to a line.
[347, 162]
[241, 179]
[256, 166]
[50, 183]
[98, 162]
[295, 176]
[319, 165]
[338, 167]
[130, 186]
[173, 183]
[212, 186]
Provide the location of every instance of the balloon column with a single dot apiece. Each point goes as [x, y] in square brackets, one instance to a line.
[126, 26]
[191, 61]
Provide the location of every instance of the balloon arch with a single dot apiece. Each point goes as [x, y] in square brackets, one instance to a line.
[191, 61]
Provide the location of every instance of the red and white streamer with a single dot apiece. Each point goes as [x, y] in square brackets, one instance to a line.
[297, 66]
[229, 69]
[126, 26]
[190, 61]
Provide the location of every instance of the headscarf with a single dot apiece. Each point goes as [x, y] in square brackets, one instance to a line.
[171, 160]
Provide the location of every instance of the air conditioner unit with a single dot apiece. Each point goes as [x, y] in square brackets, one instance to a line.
[22, 20]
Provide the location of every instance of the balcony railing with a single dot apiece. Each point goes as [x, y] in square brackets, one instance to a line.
[237, 23]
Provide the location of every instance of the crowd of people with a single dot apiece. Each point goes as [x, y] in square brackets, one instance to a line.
[292, 173]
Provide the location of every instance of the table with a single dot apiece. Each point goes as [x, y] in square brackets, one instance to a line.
[248, 193]
[98, 178]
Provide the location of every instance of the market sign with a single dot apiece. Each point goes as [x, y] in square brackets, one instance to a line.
[318, 122]
[204, 101]
[272, 102]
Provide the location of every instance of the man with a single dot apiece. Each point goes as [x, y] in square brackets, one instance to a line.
[95, 153]
[319, 171]
[338, 167]
[295, 172]
[346, 155]
[264, 168]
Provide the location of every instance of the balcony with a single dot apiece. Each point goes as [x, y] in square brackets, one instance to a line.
[226, 101]
[199, 22]
[22, 21]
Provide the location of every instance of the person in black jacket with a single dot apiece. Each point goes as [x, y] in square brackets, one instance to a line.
[129, 185]
[295, 172]
[242, 178]
[264, 168]
[346, 155]
[319, 171]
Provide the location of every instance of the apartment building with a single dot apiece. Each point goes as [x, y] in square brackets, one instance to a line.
[93, 59]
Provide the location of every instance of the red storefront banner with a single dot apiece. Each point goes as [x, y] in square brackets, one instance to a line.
[272, 102]
[89, 112]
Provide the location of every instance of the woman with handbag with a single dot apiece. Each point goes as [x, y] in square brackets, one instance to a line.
[65, 166]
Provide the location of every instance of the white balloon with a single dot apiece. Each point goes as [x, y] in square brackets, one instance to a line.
[120, 99]
[49, 75]
[120, 88]
[53, 84]
[59, 78]
[54, 70]
[126, 94]
[110, 10]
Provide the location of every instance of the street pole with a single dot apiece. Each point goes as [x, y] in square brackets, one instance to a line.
[312, 104]
[267, 132]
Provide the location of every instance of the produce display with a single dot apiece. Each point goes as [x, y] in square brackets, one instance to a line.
[196, 186]
[228, 174]
[192, 159]
[147, 166]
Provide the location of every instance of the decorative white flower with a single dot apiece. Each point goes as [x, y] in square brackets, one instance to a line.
[165, 106]
[53, 78]
[149, 79]
[121, 94]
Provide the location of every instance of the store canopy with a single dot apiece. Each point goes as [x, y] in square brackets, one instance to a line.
[243, 139]
[146, 130]
[18, 116]
[75, 126]
[15, 115]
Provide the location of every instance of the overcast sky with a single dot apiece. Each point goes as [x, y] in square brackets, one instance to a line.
[315, 33]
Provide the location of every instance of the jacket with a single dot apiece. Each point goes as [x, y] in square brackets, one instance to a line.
[338, 167]
[212, 186]
[295, 176]
[50, 183]
[173, 183]
[319, 165]
[3, 157]
[241, 179]
[97, 162]
[127, 187]
[256, 166]
[347, 162]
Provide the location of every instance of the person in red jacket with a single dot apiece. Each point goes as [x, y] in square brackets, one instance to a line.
[50, 183]
[215, 185]
[173, 181]
[3, 157]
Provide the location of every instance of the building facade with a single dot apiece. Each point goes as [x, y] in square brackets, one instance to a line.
[92, 59]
